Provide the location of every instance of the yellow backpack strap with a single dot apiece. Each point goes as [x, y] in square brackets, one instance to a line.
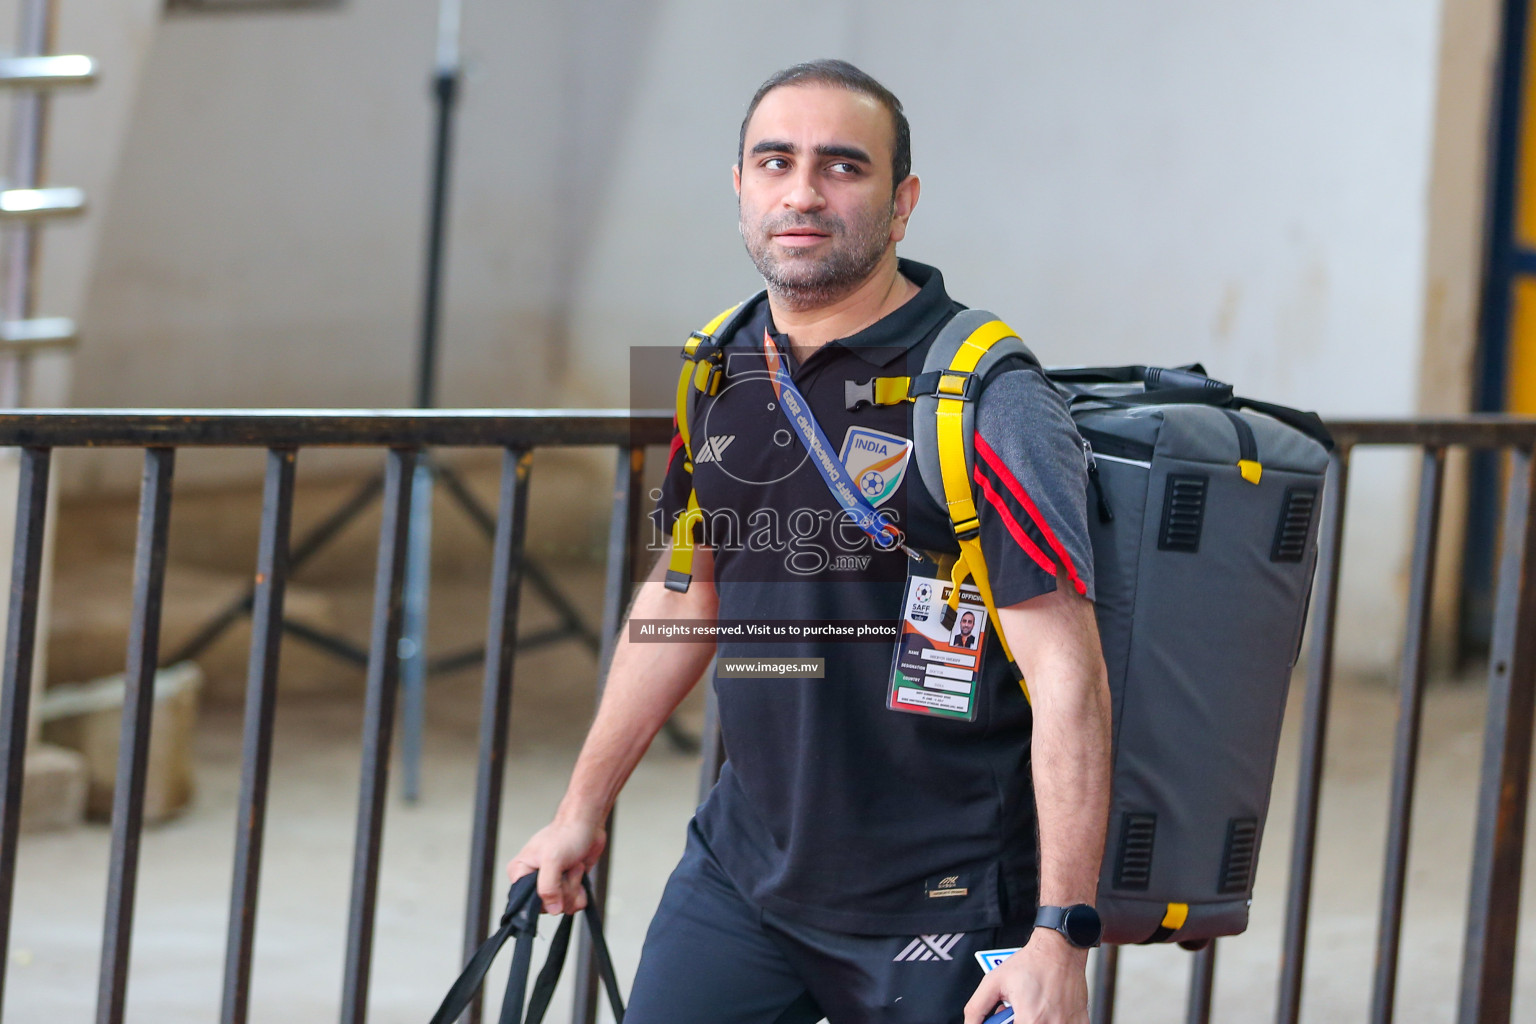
[699, 353]
[959, 360]
[680, 566]
[701, 374]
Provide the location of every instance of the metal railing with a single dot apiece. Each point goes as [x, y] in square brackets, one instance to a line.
[1493, 907]
[404, 435]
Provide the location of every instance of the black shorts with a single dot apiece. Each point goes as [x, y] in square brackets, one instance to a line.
[712, 957]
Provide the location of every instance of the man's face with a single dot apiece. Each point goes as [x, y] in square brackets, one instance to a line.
[967, 623]
[817, 209]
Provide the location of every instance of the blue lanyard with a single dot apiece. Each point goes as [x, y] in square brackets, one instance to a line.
[798, 411]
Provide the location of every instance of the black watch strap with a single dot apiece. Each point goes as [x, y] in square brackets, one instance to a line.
[1079, 924]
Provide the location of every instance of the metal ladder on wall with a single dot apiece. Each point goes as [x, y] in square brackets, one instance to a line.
[26, 204]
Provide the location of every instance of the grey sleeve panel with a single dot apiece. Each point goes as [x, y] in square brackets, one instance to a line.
[1033, 504]
[925, 442]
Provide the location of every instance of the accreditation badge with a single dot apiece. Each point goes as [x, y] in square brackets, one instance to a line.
[937, 664]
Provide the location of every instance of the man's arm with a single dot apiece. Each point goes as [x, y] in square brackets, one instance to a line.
[1056, 642]
[645, 685]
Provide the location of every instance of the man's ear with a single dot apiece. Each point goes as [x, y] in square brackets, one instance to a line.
[903, 203]
[736, 179]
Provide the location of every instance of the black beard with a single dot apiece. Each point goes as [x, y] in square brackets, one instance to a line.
[803, 283]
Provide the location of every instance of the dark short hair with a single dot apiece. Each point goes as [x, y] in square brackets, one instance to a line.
[845, 75]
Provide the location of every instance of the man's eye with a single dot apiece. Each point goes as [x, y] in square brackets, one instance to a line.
[844, 167]
[775, 163]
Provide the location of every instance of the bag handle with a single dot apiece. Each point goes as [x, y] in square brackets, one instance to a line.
[1221, 397]
[1154, 378]
[520, 919]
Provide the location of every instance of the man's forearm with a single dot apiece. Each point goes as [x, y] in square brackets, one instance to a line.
[1057, 645]
[645, 684]
[1069, 759]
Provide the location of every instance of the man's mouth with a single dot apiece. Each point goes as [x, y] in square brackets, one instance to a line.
[799, 237]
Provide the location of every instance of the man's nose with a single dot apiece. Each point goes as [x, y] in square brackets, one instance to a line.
[804, 196]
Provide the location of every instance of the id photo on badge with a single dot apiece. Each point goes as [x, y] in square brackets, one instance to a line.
[965, 631]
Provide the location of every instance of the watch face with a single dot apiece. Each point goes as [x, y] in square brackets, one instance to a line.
[1082, 926]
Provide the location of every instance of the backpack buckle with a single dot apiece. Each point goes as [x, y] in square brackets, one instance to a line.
[858, 394]
[961, 384]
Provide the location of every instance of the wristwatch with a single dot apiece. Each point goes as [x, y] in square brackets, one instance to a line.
[1079, 924]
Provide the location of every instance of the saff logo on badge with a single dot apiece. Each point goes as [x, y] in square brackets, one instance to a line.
[876, 461]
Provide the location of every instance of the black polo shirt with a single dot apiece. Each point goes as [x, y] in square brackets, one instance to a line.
[832, 809]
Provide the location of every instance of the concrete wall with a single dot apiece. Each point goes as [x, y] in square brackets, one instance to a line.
[1243, 184]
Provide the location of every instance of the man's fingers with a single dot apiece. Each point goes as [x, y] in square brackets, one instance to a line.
[983, 1001]
[517, 869]
[550, 886]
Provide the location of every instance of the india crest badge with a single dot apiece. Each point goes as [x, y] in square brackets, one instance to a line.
[876, 461]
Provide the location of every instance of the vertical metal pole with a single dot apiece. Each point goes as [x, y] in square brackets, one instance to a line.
[378, 725]
[413, 640]
[256, 751]
[16, 692]
[1314, 738]
[445, 89]
[29, 141]
[496, 699]
[133, 744]
[1493, 918]
[1106, 975]
[622, 554]
[1405, 758]
[1202, 981]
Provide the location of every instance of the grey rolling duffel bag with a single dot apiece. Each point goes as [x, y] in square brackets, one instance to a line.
[1203, 512]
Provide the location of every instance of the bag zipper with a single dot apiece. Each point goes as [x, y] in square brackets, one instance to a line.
[1247, 448]
[1247, 445]
[1117, 447]
[1106, 514]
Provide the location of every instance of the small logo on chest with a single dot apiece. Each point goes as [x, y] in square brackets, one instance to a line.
[714, 447]
[876, 461]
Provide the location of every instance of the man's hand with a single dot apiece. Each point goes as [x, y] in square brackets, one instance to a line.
[646, 682]
[1045, 982]
[561, 852]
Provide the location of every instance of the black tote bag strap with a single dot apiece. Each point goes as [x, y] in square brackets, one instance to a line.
[521, 920]
[544, 986]
[600, 951]
[517, 979]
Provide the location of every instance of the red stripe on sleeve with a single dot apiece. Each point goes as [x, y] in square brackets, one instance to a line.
[1015, 488]
[677, 445]
[1030, 547]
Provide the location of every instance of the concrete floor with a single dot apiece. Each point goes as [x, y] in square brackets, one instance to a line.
[186, 866]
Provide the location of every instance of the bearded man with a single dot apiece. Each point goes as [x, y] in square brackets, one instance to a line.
[857, 851]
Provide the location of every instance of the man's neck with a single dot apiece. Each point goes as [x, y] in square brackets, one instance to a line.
[883, 292]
